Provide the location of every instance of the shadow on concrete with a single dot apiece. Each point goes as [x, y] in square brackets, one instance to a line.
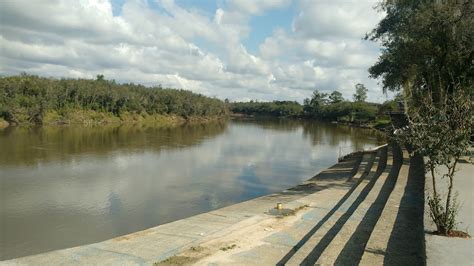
[341, 171]
[354, 248]
[323, 175]
[406, 245]
[310, 188]
[314, 255]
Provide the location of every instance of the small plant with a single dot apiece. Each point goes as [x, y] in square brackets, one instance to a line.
[228, 247]
[445, 220]
[441, 132]
[196, 248]
[281, 213]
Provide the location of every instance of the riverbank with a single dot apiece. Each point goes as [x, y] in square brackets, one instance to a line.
[33, 100]
[382, 125]
[358, 199]
[91, 118]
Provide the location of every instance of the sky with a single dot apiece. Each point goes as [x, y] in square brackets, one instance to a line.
[237, 49]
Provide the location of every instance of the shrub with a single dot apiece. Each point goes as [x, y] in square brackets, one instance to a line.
[441, 131]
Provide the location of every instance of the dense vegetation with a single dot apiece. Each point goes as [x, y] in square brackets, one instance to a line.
[32, 99]
[275, 108]
[428, 47]
[322, 106]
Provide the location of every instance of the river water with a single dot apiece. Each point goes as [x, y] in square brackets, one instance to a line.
[67, 186]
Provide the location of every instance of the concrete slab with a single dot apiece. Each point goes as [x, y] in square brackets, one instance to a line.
[75, 256]
[453, 251]
[449, 251]
[266, 254]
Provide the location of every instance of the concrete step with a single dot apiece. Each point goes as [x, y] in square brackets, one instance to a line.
[397, 238]
[354, 247]
[357, 158]
[364, 167]
[322, 231]
[346, 247]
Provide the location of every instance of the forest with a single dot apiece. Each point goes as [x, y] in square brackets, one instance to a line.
[29, 99]
[275, 108]
[36, 100]
[327, 107]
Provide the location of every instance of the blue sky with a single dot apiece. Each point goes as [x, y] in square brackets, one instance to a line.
[236, 49]
[262, 26]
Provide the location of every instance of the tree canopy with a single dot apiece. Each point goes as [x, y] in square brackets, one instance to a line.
[275, 108]
[361, 93]
[336, 97]
[428, 46]
[26, 98]
[322, 106]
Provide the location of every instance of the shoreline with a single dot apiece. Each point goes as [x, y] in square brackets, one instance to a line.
[89, 118]
[373, 125]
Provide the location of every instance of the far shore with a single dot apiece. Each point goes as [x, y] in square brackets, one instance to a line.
[91, 118]
[368, 125]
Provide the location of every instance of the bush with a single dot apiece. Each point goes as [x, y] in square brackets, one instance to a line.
[441, 131]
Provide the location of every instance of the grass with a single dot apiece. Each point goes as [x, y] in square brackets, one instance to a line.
[181, 260]
[382, 123]
[176, 260]
[228, 247]
[290, 212]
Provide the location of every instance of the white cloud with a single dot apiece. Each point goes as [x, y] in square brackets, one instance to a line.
[335, 18]
[324, 48]
[186, 48]
[257, 7]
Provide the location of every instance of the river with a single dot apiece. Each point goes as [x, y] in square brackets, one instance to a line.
[67, 186]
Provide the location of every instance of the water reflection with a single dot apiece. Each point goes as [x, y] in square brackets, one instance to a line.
[32, 145]
[63, 187]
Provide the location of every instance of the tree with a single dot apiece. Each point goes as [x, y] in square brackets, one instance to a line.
[427, 54]
[314, 104]
[361, 93]
[336, 97]
[318, 98]
[428, 45]
[441, 133]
